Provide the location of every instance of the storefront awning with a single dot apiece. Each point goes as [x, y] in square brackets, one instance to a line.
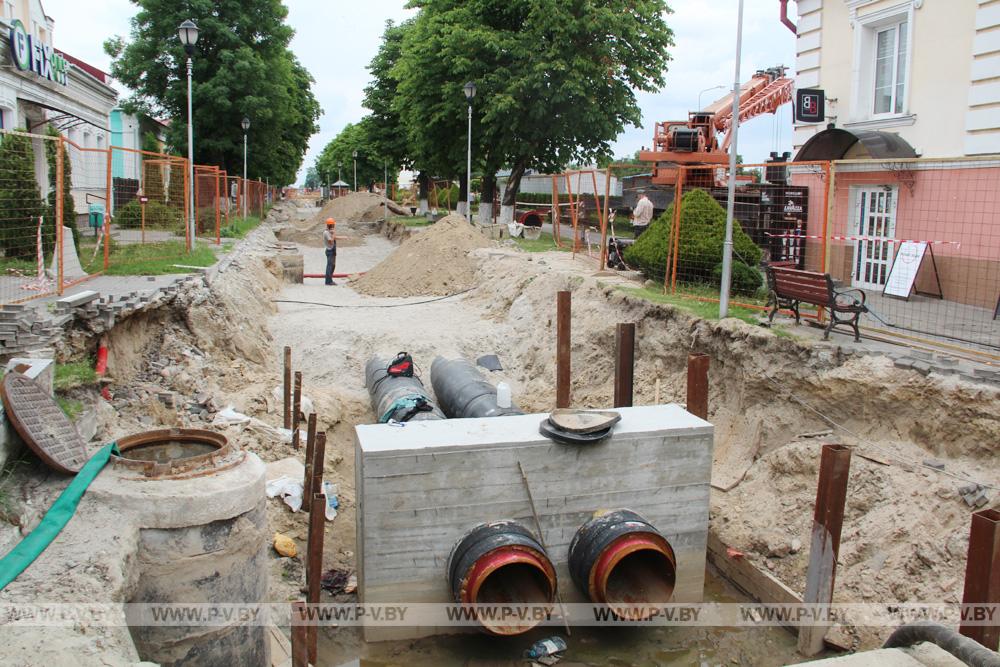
[838, 144]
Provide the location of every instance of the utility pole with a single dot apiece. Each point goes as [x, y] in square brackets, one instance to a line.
[727, 247]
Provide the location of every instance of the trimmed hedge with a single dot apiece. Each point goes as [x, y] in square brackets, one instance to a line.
[703, 230]
[158, 216]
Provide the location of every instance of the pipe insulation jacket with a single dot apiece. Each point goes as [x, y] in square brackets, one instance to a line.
[967, 650]
[463, 392]
[385, 390]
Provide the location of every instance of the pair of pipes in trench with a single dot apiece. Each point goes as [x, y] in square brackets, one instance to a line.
[616, 559]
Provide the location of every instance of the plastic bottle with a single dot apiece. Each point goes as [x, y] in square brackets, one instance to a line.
[546, 647]
[503, 395]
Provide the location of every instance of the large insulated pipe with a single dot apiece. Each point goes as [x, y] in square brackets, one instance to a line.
[501, 562]
[967, 650]
[386, 389]
[463, 392]
[621, 560]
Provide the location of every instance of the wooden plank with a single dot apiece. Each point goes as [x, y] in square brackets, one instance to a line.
[758, 584]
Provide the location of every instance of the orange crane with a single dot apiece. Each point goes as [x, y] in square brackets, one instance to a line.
[705, 136]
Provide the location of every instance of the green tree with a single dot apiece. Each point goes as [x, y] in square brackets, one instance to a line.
[337, 157]
[242, 67]
[69, 205]
[556, 80]
[20, 201]
[385, 126]
[312, 179]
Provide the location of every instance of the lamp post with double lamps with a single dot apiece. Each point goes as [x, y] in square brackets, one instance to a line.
[246, 128]
[188, 33]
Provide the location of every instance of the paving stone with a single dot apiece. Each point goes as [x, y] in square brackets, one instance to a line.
[922, 367]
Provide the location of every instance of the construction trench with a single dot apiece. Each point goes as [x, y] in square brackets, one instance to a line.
[206, 533]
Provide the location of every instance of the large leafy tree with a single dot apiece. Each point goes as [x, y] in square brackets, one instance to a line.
[337, 158]
[242, 67]
[557, 79]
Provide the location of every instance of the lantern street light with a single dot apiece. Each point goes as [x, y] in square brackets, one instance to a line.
[188, 33]
[246, 128]
[470, 94]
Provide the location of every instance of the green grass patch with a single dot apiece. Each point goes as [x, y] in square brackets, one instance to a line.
[691, 301]
[544, 243]
[148, 259]
[72, 407]
[239, 227]
[25, 266]
[75, 374]
[413, 221]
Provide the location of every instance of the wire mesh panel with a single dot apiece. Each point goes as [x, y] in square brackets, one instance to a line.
[206, 202]
[921, 239]
[31, 197]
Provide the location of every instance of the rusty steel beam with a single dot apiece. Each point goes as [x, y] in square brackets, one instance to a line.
[300, 635]
[624, 364]
[296, 408]
[310, 446]
[982, 579]
[828, 519]
[697, 384]
[287, 385]
[563, 307]
[314, 558]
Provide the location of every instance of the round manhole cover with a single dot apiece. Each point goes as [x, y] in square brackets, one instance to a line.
[42, 424]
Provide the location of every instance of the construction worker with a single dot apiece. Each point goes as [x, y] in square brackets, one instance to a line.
[642, 214]
[330, 243]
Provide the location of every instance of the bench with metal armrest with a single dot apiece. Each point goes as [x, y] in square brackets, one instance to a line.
[790, 287]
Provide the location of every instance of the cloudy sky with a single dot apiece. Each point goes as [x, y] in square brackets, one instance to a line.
[336, 40]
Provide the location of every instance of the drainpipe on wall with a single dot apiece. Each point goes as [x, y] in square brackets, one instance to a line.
[784, 17]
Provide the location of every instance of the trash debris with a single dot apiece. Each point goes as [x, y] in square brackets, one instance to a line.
[490, 362]
[228, 416]
[284, 545]
[278, 396]
[546, 648]
[332, 502]
[289, 489]
[336, 582]
[934, 463]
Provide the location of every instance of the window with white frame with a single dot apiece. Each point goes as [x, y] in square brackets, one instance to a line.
[883, 51]
[890, 69]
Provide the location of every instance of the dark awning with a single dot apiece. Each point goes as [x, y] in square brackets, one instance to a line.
[835, 143]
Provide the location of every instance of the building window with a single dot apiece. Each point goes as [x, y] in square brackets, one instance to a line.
[890, 69]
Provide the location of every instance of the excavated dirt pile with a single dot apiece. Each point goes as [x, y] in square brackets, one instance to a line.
[352, 208]
[434, 262]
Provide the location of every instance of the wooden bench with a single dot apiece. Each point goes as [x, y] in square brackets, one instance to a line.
[790, 287]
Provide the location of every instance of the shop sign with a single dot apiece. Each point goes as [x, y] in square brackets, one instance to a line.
[29, 55]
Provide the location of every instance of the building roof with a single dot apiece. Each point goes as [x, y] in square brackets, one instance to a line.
[835, 143]
[89, 69]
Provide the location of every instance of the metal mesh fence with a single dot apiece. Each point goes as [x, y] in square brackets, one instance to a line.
[207, 204]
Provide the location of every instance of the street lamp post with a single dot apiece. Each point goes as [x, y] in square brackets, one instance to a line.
[727, 246]
[470, 94]
[188, 33]
[355, 171]
[246, 128]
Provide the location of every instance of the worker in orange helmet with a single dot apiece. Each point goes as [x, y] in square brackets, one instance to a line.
[330, 243]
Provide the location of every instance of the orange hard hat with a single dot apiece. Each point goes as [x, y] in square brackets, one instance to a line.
[330, 222]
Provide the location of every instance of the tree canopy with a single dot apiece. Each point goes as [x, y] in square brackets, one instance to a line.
[338, 156]
[556, 80]
[242, 68]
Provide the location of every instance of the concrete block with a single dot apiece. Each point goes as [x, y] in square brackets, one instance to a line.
[77, 300]
[421, 487]
[903, 363]
[922, 367]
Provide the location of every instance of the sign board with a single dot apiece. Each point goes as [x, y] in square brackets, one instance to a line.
[903, 273]
[810, 105]
[143, 200]
[29, 55]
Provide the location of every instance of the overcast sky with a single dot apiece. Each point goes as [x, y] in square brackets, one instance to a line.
[336, 40]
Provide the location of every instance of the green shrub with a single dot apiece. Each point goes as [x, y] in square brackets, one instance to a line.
[703, 231]
[746, 279]
[158, 216]
[20, 201]
[69, 205]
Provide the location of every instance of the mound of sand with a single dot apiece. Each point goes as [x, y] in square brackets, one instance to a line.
[434, 262]
[358, 207]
